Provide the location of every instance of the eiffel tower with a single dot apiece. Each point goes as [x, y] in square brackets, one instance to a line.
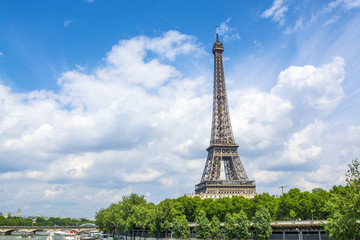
[223, 148]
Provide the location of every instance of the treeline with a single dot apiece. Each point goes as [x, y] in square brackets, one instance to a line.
[134, 212]
[17, 221]
[340, 206]
[60, 222]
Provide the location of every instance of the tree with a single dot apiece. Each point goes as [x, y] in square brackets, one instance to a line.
[242, 226]
[122, 217]
[2, 221]
[229, 227]
[158, 222]
[345, 207]
[287, 202]
[189, 206]
[142, 216]
[129, 219]
[215, 230]
[223, 206]
[319, 199]
[261, 223]
[181, 228]
[203, 227]
[207, 205]
[40, 221]
[265, 199]
[112, 216]
[240, 203]
[292, 215]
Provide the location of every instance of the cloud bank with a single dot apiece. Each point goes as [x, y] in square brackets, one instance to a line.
[138, 123]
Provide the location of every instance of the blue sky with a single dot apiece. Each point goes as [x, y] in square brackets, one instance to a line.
[102, 98]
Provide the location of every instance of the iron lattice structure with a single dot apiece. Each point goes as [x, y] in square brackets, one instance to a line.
[223, 148]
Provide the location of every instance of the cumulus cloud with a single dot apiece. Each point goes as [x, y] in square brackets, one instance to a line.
[283, 133]
[317, 90]
[276, 12]
[130, 111]
[55, 191]
[137, 123]
[145, 175]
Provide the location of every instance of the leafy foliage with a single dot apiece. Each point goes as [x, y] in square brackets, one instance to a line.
[181, 227]
[345, 207]
[242, 226]
[229, 227]
[262, 222]
[340, 205]
[203, 225]
[18, 221]
[215, 230]
[159, 220]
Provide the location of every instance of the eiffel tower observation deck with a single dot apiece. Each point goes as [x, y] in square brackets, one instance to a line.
[222, 152]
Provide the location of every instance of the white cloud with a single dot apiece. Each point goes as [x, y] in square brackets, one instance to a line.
[299, 149]
[145, 175]
[226, 32]
[265, 177]
[284, 132]
[67, 23]
[166, 181]
[120, 116]
[297, 26]
[55, 191]
[137, 119]
[316, 89]
[346, 4]
[277, 12]
[306, 185]
[351, 3]
[326, 174]
[332, 20]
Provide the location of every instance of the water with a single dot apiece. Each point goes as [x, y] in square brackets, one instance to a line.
[10, 237]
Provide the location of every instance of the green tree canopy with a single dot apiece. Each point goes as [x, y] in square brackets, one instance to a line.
[229, 227]
[344, 207]
[203, 225]
[242, 226]
[158, 222]
[261, 223]
[180, 228]
[215, 230]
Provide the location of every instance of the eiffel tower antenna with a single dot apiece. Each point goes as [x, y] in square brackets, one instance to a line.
[217, 33]
[223, 148]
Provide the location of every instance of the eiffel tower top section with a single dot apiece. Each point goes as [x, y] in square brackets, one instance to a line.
[221, 131]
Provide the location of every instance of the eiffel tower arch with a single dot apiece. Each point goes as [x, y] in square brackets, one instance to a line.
[223, 149]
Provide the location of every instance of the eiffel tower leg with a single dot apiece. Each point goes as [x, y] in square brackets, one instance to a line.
[207, 168]
[229, 169]
[240, 168]
[216, 168]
